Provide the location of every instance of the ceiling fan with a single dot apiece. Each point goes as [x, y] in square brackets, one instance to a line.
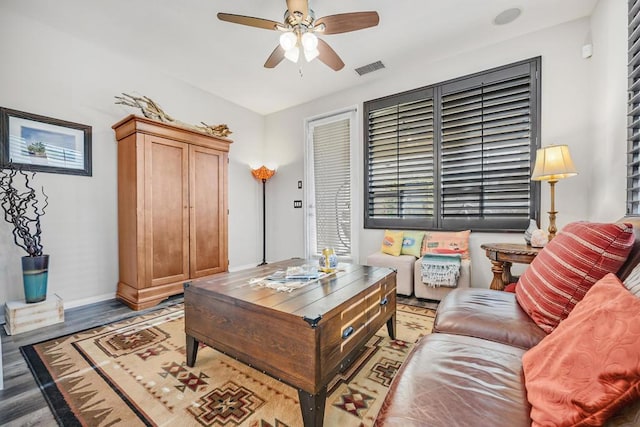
[299, 31]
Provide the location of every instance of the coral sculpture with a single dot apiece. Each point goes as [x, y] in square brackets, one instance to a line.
[152, 110]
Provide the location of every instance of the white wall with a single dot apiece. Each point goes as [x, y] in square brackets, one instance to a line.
[566, 100]
[609, 110]
[52, 74]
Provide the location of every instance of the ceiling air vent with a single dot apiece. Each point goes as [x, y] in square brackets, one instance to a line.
[370, 68]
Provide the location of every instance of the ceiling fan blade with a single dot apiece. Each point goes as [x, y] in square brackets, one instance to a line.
[299, 6]
[249, 20]
[329, 56]
[345, 22]
[275, 58]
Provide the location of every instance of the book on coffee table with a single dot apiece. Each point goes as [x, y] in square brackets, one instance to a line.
[304, 272]
[295, 273]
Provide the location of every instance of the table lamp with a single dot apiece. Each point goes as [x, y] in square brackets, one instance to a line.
[263, 174]
[553, 163]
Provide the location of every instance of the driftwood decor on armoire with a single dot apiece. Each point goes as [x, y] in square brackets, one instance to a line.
[172, 208]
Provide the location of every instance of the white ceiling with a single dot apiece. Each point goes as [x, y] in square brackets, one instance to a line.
[184, 39]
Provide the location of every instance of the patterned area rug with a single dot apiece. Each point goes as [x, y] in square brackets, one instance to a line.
[134, 373]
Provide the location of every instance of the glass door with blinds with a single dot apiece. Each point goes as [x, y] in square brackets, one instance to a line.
[633, 142]
[330, 185]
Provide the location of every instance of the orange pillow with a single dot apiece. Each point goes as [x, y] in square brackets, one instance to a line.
[589, 367]
[446, 242]
[392, 242]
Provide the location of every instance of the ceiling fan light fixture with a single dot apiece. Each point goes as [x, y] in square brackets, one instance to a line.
[288, 40]
[292, 54]
[309, 41]
[311, 54]
[310, 44]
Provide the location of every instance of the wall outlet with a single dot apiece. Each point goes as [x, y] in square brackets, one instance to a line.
[297, 203]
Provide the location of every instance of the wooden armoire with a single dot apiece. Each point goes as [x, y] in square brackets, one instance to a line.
[172, 208]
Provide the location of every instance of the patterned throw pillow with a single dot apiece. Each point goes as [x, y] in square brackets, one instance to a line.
[412, 243]
[392, 242]
[562, 273]
[589, 367]
[632, 282]
[446, 242]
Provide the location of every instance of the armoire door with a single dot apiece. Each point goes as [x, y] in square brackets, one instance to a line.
[208, 211]
[166, 211]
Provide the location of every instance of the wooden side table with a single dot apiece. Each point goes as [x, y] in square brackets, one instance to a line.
[502, 255]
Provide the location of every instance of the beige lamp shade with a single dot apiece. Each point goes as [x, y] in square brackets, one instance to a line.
[553, 163]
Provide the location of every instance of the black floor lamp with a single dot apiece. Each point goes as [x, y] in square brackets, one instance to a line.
[263, 174]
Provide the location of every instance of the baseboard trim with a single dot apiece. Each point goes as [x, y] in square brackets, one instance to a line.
[90, 300]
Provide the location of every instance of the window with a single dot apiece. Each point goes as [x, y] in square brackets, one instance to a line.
[399, 156]
[457, 154]
[633, 152]
[330, 181]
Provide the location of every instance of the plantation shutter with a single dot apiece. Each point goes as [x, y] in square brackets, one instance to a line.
[633, 144]
[486, 150]
[332, 186]
[455, 155]
[400, 162]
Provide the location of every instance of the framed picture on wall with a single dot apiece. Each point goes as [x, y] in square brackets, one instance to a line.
[44, 144]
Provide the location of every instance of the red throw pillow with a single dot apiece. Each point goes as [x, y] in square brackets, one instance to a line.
[589, 367]
[562, 273]
[511, 287]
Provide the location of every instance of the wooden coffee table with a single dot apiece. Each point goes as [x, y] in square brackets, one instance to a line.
[304, 337]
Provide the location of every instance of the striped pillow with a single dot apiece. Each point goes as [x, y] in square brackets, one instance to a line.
[562, 273]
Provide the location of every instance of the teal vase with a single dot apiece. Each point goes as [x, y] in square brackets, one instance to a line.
[35, 272]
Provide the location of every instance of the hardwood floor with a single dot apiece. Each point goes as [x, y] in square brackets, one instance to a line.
[21, 401]
[412, 300]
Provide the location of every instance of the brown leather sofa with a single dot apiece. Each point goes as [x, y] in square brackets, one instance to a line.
[469, 371]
